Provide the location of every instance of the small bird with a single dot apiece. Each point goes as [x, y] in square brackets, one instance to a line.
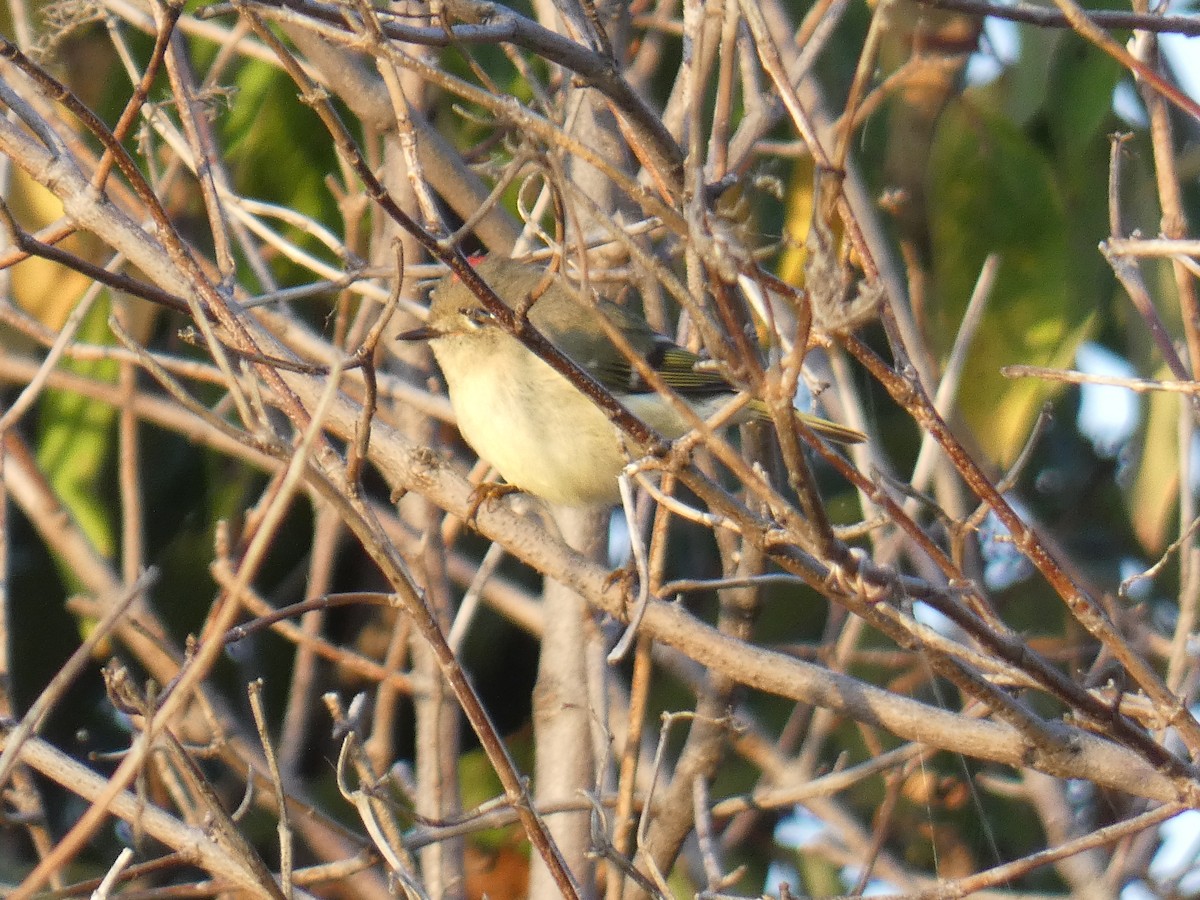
[527, 420]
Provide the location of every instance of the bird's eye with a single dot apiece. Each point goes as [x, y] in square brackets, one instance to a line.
[477, 316]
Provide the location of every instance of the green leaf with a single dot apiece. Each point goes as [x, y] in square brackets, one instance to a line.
[993, 191]
[1154, 495]
[1081, 104]
[75, 439]
[479, 783]
[1022, 90]
[270, 133]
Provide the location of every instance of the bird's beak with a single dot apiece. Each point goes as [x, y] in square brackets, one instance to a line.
[424, 333]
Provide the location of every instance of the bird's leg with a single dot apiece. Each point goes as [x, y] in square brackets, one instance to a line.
[484, 493]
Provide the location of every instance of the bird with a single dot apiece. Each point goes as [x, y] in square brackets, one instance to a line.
[535, 427]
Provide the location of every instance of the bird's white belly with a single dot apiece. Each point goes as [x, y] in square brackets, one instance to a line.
[540, 433]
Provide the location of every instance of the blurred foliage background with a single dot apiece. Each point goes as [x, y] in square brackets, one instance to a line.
[966, 143]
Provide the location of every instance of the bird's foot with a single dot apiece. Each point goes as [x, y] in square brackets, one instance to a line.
[484, 493]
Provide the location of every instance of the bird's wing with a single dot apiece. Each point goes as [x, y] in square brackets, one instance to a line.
[675, 365]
